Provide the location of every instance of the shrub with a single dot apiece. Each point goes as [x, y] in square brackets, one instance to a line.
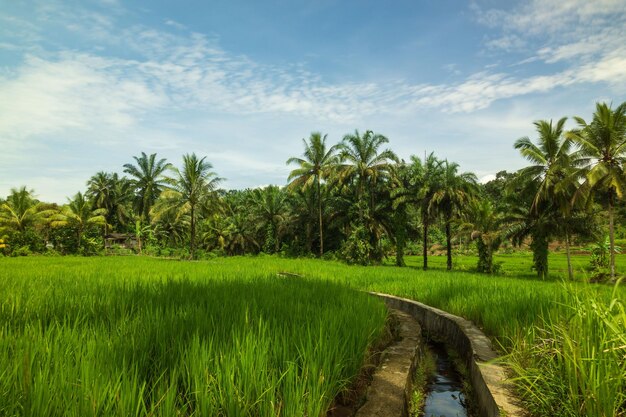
[356, 250]
[21, 251]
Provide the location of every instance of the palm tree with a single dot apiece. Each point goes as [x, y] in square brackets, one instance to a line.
[100, 189]
[110, 192]
[269, 206]
[364, 163]
[20, 211]
[603, 142]
[453, 192]
[423, 181]
[484, 224]
[553, 170]
[315, 166]
[148, 180]
[120, 211]
[192, 186]
[404, 198]
[303, 213]
[79, 214]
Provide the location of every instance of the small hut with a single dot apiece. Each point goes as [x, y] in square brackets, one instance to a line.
[120, 240]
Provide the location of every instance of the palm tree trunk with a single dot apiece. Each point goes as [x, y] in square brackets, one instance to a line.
[319, 207]
[192, 240]
[276, 239]
[448, 245]
[425, 242]
[611, 236]
[570, 271]
[309, 238]
[400, 232]
[138, 233]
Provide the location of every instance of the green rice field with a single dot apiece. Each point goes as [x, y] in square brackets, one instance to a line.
[144, 337]
[234, 337]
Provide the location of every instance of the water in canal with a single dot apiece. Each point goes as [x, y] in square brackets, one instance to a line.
[444, 393]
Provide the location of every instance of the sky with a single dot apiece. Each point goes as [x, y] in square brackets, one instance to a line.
[86, 85]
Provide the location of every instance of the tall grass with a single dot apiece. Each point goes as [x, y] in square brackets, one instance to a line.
[139, 337]
[579, 356]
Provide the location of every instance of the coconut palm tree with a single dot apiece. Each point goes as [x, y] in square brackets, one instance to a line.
[554, 170]
[19, 211]
[78, 214]
[551, 157]
[99, 189]
[21, 218]
[149, 180]
[603, 142]
[316, 165]
[192, 186]
[454, 191]
[364, 164]
[108, 191]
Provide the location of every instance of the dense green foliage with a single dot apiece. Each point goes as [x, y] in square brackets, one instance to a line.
[144, 337]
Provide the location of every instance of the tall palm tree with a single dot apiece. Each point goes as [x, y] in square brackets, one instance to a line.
[149, 181]
[550, 158]
[553, 170]
[79, 214]
[419, 187]
[453, 193]
[603, 142]
[316, 165]
[191, 187]
[100, 189]
[364, 163]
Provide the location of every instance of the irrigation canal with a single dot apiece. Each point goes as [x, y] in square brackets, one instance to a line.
[445, 397]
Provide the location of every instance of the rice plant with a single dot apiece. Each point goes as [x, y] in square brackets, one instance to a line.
[103, 337]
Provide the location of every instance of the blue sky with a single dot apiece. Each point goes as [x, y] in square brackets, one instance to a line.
[85, 85]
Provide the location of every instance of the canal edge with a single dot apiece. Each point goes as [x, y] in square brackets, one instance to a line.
[488, 379]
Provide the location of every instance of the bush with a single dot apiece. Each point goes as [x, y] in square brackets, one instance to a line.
[21, 251]
[51, 252]
[356, 250]
[330, 256]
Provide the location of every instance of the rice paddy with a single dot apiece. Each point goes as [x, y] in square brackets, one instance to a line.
[143, 337]
[140, 336]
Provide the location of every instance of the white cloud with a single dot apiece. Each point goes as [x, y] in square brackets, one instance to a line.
[107, 98]
[552, 16]
[562, 30]
[77, 91]
[482, 89]
[506, 43]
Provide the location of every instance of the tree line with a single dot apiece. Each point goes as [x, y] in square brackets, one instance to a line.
[354, 200]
